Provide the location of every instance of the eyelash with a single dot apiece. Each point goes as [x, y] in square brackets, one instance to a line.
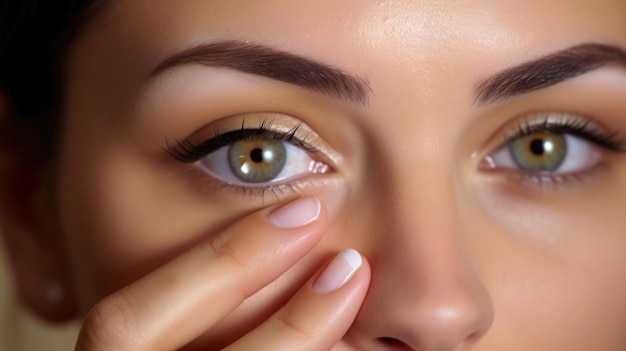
[185, 151]
[573, 125]
[578, 127]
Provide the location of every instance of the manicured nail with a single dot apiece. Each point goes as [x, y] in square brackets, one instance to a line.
[338, 272]
[297, 213]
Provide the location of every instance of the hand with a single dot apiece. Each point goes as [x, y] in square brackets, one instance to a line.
[166, 309]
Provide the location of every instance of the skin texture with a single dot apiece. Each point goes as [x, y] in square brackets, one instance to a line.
[461, 258]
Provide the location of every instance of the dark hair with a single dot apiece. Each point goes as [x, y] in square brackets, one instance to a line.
[33, 37]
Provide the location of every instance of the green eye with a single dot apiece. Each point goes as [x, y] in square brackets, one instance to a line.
[539, 152]
[256, 160]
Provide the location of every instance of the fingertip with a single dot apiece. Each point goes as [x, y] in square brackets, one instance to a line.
[296, 213]
[340, 270]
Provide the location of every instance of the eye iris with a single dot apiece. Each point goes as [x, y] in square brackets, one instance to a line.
[539, 152]
[256, 159]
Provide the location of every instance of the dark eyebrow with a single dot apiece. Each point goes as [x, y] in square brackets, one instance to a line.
[548, 70]
[268, 62]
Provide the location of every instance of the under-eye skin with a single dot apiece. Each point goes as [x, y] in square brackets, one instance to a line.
[252, 157]
[553, 147]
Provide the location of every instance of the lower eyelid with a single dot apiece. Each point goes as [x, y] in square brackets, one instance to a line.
[246, 197]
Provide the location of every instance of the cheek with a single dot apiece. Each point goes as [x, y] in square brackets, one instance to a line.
[122, 220]
[591, 276]
[578, 291]
[559, 268]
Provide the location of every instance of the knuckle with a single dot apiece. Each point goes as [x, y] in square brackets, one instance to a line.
[222, 249]
[297, 331]
[111, 325]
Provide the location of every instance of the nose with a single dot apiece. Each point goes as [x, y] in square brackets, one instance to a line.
[427, 291]
[443, 312]
[442, 306]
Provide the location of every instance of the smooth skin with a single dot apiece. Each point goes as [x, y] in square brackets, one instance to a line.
[456, 256]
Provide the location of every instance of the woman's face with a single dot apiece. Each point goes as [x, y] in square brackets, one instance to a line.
[469, 149]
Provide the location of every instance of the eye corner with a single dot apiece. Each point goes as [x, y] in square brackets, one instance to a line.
[486, 163]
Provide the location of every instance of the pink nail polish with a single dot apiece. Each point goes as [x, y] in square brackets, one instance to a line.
[338, 272]
[297, 213]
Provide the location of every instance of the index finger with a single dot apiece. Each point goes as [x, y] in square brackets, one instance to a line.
[178, 302]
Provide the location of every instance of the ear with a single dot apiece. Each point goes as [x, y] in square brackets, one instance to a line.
[34, 256]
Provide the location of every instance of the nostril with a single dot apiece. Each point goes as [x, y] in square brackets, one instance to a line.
[394, 344]
[390, 341]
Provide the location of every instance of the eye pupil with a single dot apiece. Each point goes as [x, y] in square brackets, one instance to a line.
[256, 155]
[538, 147]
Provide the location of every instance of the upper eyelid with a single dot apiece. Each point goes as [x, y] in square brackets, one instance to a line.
[564, 123]
[188, 151]
[185, 151]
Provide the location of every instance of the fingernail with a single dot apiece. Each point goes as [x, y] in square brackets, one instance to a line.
[338, 272]
[297, 213]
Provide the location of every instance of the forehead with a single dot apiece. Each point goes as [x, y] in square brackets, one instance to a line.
[435, 42]
[417, 19]
[412, 28]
